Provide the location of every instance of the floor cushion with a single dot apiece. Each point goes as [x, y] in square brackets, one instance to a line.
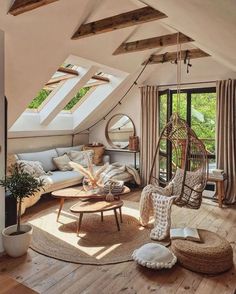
[213, 256]
[155, 256]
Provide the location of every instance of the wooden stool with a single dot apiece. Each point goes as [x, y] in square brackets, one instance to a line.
[220, 189]
[93, 206]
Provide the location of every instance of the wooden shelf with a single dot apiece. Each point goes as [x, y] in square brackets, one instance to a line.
[121, 150]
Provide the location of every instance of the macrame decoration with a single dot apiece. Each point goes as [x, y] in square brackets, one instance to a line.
[189, 171]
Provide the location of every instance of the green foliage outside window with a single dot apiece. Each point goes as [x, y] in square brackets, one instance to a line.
[38, 100]
[43, 94]
[203, 115]
[77, 98]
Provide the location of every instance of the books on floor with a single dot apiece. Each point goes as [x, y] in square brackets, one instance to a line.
[185, 234]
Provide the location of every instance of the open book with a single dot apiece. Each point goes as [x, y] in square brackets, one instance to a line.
[185, 233]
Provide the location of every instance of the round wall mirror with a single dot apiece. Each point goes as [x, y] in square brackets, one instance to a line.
[118, 130]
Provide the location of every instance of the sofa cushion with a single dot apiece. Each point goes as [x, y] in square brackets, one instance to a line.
[59, 177]
[33, 168]
[63, 150]
[62, 162]
[81, 157]
[45, 157]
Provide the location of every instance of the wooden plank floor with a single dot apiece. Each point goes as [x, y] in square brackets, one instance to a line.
[50, 276]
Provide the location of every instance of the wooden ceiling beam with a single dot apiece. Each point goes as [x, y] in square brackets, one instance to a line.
[22, 6]
[119, 21]
[171, 56]
[151, 43]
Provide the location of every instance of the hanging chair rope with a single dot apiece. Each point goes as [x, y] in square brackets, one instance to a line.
[188, 154]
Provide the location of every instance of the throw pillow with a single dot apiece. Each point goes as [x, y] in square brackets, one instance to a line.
[35, 168]
[62, 162]
[81, 157]
[192, 179]
[98, 153]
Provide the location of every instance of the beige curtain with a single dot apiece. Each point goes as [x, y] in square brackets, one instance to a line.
[226, 134]
[149, 129]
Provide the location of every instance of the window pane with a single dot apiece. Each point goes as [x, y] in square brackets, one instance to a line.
[163, 168]
[163, 111]
[77, 98]
[38, 100]
[181, 105]
[203, 118]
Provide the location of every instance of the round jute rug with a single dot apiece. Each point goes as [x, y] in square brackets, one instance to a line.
[98, 242]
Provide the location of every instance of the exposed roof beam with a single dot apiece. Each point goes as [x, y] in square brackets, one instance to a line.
[21, 6]
[171, 56]
[150, 43]
[119, 21]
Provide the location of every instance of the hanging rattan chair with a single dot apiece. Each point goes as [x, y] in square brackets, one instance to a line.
[189, 168]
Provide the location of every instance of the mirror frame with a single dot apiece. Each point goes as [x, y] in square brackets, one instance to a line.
[106, 131]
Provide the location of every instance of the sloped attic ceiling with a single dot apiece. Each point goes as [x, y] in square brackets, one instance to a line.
[37, 42]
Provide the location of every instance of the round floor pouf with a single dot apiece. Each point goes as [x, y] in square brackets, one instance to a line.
[213, 256]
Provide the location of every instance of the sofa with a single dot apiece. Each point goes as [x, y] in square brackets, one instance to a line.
[56, 179]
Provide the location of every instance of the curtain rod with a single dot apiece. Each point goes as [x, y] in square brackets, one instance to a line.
[184, 84]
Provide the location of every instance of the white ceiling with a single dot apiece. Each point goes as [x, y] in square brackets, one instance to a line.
[37, 42]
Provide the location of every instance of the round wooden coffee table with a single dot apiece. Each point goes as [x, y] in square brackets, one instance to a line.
[93, 206]
[78, 193]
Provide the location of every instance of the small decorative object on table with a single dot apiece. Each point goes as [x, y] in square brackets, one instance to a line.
[134, 143]
[154, 256]
[92, 179]
[112, 188]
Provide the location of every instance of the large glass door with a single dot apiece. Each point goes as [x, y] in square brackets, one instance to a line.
[198, 108]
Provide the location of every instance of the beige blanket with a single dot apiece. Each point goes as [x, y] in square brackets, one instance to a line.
[116, 169]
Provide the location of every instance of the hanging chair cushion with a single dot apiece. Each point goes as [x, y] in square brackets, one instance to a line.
[213, 256]
[189, 198]
[155, 256]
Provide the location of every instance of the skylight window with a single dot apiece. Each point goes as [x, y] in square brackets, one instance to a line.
[64, 73]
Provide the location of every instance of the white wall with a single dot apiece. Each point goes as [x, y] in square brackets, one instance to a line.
[18, 145]
[31, 144]
[131, 106]
[2, 136]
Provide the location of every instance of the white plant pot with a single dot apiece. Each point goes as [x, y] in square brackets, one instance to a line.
[17, 245]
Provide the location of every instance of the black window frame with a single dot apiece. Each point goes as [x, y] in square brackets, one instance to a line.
[169, 112]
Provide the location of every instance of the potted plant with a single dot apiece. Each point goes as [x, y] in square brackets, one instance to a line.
[20, 184]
